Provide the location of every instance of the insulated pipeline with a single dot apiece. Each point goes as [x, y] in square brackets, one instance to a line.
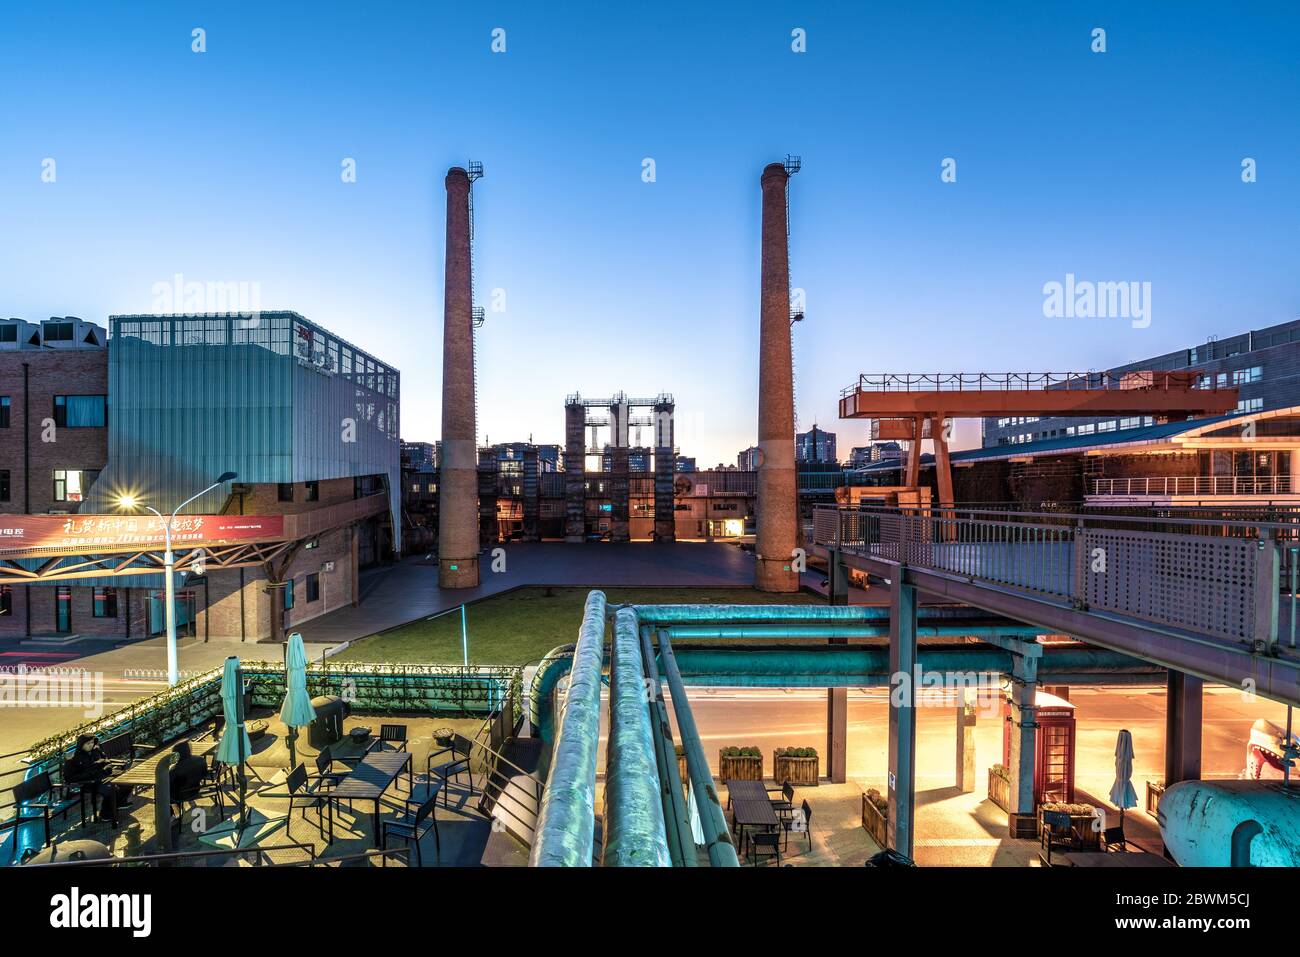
[567, 822]
[634, 834]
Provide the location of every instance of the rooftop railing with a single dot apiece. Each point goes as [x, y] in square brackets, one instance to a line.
[1020, 381]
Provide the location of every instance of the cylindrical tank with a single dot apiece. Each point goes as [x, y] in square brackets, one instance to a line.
[1227, 823]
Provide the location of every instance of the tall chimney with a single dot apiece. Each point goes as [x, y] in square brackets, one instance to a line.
[458, 468]
[777, 494]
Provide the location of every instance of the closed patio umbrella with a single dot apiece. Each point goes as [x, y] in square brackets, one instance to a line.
[234, 746]
[1122, 794]
[297, 711]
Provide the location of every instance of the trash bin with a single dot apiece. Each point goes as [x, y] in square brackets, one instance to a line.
[328, 726]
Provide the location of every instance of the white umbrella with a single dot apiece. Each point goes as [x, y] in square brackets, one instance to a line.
[697, 828]
[1122, 794]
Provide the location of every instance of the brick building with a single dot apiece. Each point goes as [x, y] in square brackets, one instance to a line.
[156, 413]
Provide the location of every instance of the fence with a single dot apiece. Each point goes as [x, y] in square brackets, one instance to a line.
[1224, 584]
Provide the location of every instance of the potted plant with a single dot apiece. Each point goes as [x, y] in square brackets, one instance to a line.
[875, 816]
[740, 764]
[442, 736]
[798, 766]
[1000, 786]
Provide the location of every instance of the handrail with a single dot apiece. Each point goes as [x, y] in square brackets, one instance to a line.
[1054, 519]
[1193, 485]
[152, 860]
[1178, 380]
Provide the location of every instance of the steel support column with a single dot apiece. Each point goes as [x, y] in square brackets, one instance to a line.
[1182, 728]
[1021, 817]
[967, 710]
[837, 734]
[902, 716]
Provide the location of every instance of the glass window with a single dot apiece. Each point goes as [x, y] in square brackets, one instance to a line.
[288, 594]
[284, 491]
[4, 485]
[70, 485]
[4, 411]
[80, 411]
[313, 491]
[105, 603]
[63, 609]
[313, 587]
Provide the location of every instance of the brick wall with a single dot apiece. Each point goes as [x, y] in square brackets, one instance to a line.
[50, 372]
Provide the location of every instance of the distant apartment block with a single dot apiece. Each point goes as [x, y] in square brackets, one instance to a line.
[815, 445]
[1263, 364]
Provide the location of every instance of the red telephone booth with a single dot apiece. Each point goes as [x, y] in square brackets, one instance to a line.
[1053, 748]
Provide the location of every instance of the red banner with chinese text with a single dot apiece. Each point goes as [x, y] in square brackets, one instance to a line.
[115, 532]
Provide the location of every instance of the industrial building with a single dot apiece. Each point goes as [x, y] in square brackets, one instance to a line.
[1263, 364]
[154, 414]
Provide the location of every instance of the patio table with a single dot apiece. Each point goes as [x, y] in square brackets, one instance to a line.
[749, 790]
[143, 774]
[753, 812]
[368, 780]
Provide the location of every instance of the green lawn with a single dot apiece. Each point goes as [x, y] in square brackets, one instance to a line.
[519, 627]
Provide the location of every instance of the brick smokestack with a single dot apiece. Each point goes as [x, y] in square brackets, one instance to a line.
[777, 503]
[458, 518]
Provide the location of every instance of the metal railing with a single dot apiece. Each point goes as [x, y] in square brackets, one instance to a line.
[1224, 584]
[1193, 485]
[259, 857]
[1022, 381]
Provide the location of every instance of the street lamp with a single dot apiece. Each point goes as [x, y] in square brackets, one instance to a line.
[169, 562]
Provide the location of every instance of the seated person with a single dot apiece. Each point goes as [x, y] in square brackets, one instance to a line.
[187, 774]
[89, 769]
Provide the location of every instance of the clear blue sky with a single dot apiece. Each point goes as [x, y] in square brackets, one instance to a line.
[224, 166]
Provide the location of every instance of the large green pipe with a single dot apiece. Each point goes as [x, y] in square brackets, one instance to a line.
[682, 614]
[717, 837]
[838, 667]
[567, 822]
[634, 832]
[555, 664]
[681, 840]
[931, 628]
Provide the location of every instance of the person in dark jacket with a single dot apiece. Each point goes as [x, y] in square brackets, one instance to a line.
[89, 770]
[187, 774]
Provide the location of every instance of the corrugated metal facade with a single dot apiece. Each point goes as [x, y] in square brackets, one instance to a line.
[273, 397]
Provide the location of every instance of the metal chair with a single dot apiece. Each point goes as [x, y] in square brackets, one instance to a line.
[119, 750]
[38, 793]
[302, 794]
[390, 734]
[784, 806]
[801, 822]
[1057, 831]
[1112, 836]
[412, 828]
[768, 843]
[460, 749]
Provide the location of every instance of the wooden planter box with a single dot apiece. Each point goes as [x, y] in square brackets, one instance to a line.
[1000, 791]
[875, 823]
[1154, 790]
[800, 772]
[1081, 824]
[740, 768]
